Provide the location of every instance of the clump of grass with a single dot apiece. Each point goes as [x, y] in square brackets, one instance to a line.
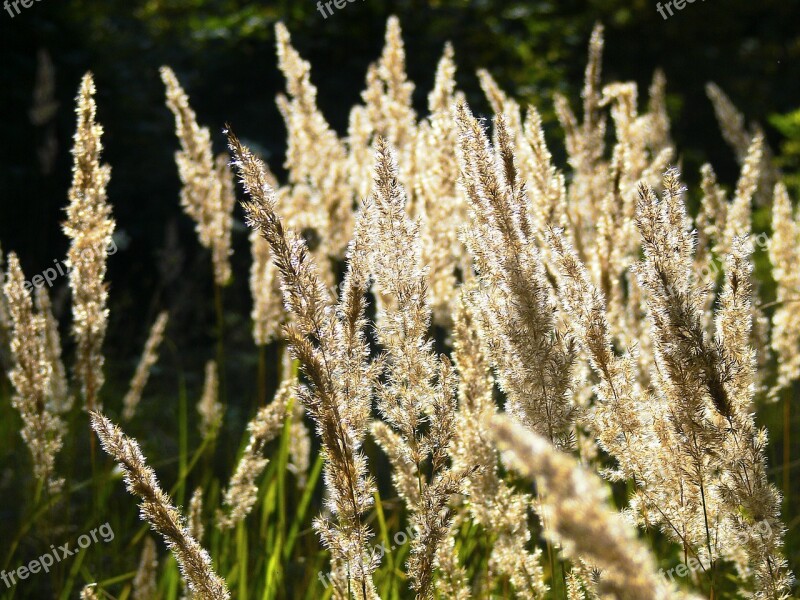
[157, 509]
[566, 319]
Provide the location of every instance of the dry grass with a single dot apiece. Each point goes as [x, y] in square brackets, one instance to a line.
[580, 301]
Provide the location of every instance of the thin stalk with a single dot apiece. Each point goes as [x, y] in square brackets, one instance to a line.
[91, 401]
[274, 569]
[705, 520]
[384, 533]
[302, 507]
[552, 566]
[262, 375]
[183, 435]
[708, 539]
[777, 302]
[37, 495]
[92, 458]
[241, 558]
[218, 309]
[73, 573]
[116, 579]
[787, 447]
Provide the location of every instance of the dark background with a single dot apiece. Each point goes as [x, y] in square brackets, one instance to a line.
[223, 53]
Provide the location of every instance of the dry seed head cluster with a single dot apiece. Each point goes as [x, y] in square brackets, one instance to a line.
[89, 227]
[144, 582]
[209, 407]
[207, 194]
[148, 359]
[242, 491]
[42, 427]
[581, 298]
[157, 509]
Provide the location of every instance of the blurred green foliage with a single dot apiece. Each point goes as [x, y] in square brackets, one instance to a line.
[789, 159]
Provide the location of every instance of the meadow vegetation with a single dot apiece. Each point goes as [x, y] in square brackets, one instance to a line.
[551, 379]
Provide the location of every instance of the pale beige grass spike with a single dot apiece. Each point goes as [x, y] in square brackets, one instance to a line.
[784, 253]
[156, 508]
[42, 428]
[491, 502]
[209, 407]
[419, 386]
[326, 339]
[533, 361]
[146, 362]
[207, 189]
[579, 518]
[89, 226]
[242, 492]
[145, 581]
[61, 399]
